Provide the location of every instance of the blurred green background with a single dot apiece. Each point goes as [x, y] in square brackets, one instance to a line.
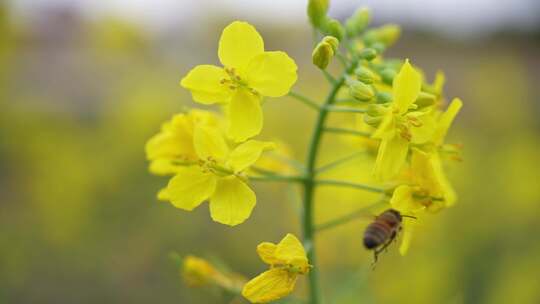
[79, 222]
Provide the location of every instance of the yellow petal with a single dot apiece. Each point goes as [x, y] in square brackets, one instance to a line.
[163, 167]
[232, 202]
[448, 192]
[391, 157]
[386, 127]
[239, 43]
[408, 231]
[271, 73]
[163, 195]
[190, 187]
[291, 251]
[247, 154]
[175, 140]
[245, 116]
[424, 132]
[267, 252]
[269, 286]
[406, 87]
[210, 143]
[204, 82]
[403, 200]
[445, 121]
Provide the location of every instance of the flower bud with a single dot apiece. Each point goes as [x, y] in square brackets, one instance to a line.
[357, 22]
[373, 121]
[383, 97]
[197, 272]
[388, 34]
[379, 47]
[368, 54]
[365, 75]
[322, 54]
[333, 27]
[333, 41]
[388, 75]
[425, 99]
[316, 11]
[360, 91]
[375, 110]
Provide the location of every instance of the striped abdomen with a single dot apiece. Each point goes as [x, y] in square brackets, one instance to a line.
[383, 229]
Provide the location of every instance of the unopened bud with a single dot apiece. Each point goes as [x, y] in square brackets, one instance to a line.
[368, 54]
[360, 91]
[333, 27]
[388, 34]
[322, 54]
[375, 110]
[365, 75]
[333, 41]
[197, 272]
[384, 97]
[425, 99]
[373, 121]
[379, 47]
[388, 75]
[358, 22]
[316, 11]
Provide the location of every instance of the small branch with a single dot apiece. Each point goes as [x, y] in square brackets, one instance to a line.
[332, 108]
[329, 77]
[338, 183]
[342, 59]
[310, 103]
[347, 132]
[338, 162]
[277, 178]
[349, 217]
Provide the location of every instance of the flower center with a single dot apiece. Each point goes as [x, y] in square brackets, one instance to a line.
[235, 81]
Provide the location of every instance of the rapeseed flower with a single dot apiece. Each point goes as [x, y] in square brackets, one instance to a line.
[249, 73]
[287, 260]
[198, 272]
[401, 124]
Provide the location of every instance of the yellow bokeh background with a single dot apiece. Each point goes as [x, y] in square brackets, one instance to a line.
[79, 221]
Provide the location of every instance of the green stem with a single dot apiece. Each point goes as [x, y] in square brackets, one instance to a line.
[349, 217]
[277, 178]
[329, 77]
[347, 131]
[339, 183]
[310, 103]
[308, 226]
[339, 161]
[331, 108]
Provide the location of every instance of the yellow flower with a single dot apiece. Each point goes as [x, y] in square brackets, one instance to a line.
[401, 124]
[287, 260]
[428, 190]
[198, 272]
[217, 176]
[173, 145]
[248, 74]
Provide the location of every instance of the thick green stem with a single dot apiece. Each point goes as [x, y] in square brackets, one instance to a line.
[308, 226]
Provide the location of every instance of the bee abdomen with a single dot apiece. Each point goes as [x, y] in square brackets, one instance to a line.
[376, 234]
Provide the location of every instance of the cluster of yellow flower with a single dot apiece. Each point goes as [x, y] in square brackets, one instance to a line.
[211, 157]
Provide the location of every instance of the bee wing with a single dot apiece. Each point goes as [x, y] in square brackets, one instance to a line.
[269, 286]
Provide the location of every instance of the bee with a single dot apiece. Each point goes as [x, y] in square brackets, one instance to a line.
[383, 231]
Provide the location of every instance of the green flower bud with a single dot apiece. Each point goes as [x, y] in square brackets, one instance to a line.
[425, 99]
[358, 22]
[365, 75]
[322, 54]
[368, 54]
[384, 97]
[373, 121]
[316, 11]
[388, 75]
[361, 91]
[388, 34]
[333, 27]
[376, 110]
[379, 47]
[332, 41]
